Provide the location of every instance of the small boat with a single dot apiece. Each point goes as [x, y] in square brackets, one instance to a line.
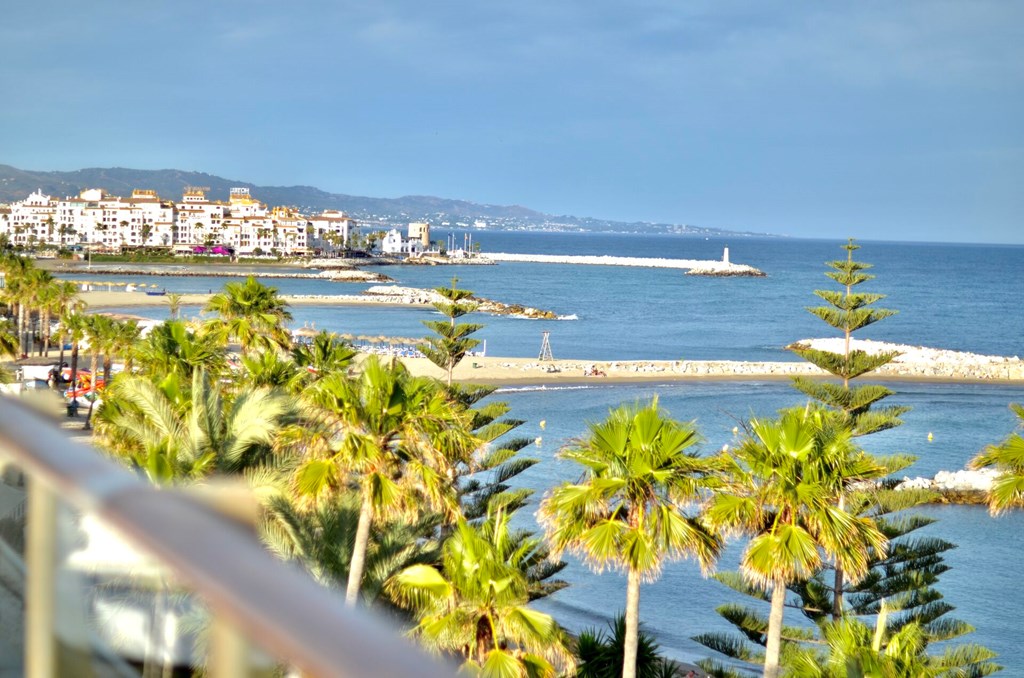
[156, 293]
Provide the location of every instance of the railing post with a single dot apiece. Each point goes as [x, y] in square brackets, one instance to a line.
[229, 651]
[41, 582]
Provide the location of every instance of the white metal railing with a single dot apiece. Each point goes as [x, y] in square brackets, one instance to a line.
[253, 597]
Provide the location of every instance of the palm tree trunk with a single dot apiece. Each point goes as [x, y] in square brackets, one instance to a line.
[92, 387]
[629, 650]
[45, 322]
[773, 646]
[74, 365]
[837, 584]
[355, 571]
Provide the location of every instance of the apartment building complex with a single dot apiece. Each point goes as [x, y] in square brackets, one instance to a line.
[99, 221]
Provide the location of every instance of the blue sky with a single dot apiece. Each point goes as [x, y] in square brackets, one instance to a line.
[877, 120]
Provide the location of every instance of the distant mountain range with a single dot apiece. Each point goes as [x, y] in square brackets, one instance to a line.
[16, 184]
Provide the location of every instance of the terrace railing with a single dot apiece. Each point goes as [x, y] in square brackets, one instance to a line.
[254, 600]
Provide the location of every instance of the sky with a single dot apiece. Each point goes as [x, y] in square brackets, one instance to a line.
[875, 120]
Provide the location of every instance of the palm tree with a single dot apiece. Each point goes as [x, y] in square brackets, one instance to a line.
[19, 291]
[65, 300]
[855, 649]
[600, 655]
[1007, 457]
[475, 606]
[785, 477]
[173, 435]
[74, 325]
[97, 330]
[174, 302]
[172, 347]
[271, 369]
[123, 339]
[8, 347]
[628, 510]
[250, 313]
[394, 438]
[321, 539]
[323, 355]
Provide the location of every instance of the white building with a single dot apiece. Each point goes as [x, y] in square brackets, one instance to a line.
[103, 222]
[331, 230]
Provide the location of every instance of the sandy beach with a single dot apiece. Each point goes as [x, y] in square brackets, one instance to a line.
[915, 363]
[101, 299]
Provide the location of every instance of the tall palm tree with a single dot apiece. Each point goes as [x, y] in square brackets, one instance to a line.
[176, 435]
[785, 477]
[39, 295]
[475, 606]
[98, 329]
[74, 326]
[18, 291]
[250, 313]
[1007, 457]
[123, 340]
[65, 300]
[629, 510]
[393, 437]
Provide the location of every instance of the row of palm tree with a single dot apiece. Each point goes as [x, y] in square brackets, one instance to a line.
[411, 477]
[36, 295]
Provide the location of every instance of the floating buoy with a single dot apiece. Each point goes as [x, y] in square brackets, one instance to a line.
[930, 436]
[735, 430]
[537, 441]
[543, 423]
[725, 448]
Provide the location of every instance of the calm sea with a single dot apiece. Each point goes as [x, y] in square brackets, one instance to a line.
[964, 297]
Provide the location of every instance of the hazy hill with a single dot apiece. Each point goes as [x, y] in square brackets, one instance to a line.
[16, 184]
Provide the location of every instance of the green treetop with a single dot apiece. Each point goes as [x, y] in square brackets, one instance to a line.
[453, 342]
[849, 311]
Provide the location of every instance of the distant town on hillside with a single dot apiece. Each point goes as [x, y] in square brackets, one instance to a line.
[378, 213]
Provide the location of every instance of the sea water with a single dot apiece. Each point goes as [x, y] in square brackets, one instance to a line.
[963, 297]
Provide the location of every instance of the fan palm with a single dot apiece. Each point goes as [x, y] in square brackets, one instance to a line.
[172, 347]
[323, 355]
[854, 649]
[1007, 457]
[172, 434]
[475, 606]
[322, 540]
[784, 479]
[250, 313]
[628, 510]
[394, 437]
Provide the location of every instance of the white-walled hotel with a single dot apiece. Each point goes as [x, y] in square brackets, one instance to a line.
[97, 221]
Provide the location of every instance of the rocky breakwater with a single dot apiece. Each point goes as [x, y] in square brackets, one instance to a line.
[694, 266]
[394, 294]
[919, 362]
[955, 487]
[216, 271]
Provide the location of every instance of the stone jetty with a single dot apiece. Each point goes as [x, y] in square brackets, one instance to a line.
[693, 266]
[955, 487]
[414, 295]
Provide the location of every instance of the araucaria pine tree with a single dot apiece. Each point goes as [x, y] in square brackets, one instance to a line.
[849, 311]
[453, 342]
